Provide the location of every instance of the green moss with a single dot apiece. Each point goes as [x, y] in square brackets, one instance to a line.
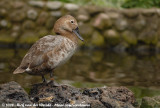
[7, 39]
[129, 38]
[28, 38]
[97, 39]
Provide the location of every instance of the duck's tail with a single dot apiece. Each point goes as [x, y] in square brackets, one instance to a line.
[19, 70]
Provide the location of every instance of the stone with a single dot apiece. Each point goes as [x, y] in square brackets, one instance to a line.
[71, 7]
[4, 23]
[148, 12]
[102, 21]
[140, 24]
[13, 93]
[129, 37]
[150, 102]
[39, 4]
[3, 12]
[83, 17]
[148, 37]
[54, 5]
[131, 13]
[112, 37]
[32, 14]
[121, 47]
[18, 4]
[143, 49]
[158, 12]
[86, 29]
[42, 18]
[97, 39]
[113, 15]
[50, 23]
[56, 13]
[17, 16]
[28, 25]
[93, 10]
[121, 24]
[100, 97]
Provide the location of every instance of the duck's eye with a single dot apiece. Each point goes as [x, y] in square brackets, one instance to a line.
[72, 22]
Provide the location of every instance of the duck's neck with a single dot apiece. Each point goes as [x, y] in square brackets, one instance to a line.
[70, 36]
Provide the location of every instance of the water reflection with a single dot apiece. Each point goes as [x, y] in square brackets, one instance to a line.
[96, 66]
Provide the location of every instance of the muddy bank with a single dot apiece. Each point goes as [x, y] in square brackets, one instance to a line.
[46, 94]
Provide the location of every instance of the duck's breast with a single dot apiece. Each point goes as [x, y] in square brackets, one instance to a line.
[62, 52]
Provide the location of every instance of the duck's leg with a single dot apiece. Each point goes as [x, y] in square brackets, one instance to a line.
[44, 79]
[52, 80]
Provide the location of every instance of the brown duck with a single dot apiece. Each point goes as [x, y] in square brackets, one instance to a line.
[51, 51]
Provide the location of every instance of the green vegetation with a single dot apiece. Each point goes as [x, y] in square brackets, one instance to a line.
[117, 3]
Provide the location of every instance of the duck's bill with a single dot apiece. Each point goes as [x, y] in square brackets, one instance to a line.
[76, 32]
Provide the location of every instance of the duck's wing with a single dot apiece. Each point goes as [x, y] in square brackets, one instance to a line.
[35, 55]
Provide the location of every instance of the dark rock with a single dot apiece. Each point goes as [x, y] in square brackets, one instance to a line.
[104, 97]
[13, 93]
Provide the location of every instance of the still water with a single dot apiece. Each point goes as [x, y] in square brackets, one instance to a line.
[93, 68]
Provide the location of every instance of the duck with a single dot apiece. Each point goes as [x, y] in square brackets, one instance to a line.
[51, 51]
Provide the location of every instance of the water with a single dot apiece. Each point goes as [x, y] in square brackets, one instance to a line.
[94, 68]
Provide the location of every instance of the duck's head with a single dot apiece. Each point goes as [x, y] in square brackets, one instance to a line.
[67, 24]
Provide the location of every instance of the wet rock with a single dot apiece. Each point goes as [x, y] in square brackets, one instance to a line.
[54, 5]
[71, 7]
[112, 37]
[56, 13]
[17, 16]
[102, 21]
[37, 3]
[121, 24]
[97, 39]
[32, 14]
[102, 97]
[143, 49]
[13, 93]
[148, 102]
[129, 37]
[121, 47]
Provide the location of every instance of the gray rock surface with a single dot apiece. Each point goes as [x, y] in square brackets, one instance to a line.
[102, 97]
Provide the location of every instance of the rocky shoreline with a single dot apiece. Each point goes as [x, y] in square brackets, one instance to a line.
[46, 94]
